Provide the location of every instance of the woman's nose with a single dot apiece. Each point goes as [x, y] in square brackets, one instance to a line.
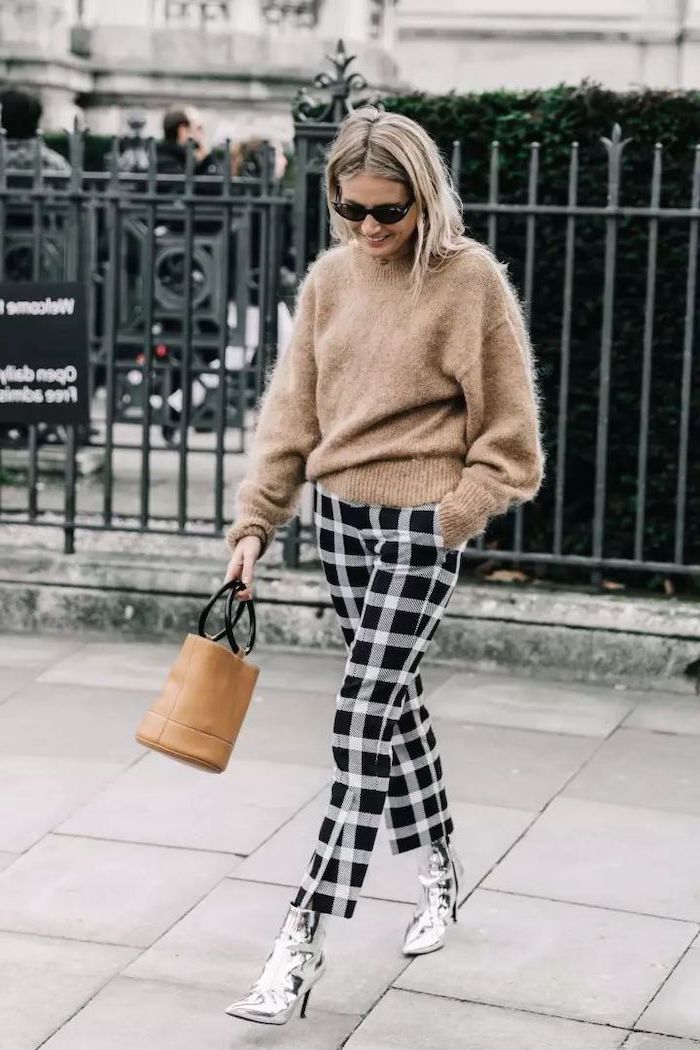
[370, 227]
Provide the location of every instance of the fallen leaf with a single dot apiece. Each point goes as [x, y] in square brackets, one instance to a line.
[509, 576]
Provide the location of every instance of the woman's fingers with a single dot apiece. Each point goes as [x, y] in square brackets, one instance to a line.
[247, 573]
[242, 565]
[234, 568]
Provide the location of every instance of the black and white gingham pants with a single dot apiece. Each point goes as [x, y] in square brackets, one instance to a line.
[390, 577]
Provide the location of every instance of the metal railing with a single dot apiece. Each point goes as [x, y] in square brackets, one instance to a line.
[185, 276]
[176, 356]
[682, 550]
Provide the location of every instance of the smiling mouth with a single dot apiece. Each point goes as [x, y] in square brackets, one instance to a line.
[378, 240]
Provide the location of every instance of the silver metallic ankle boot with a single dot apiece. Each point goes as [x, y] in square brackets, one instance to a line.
[440, 871]
[292, 968]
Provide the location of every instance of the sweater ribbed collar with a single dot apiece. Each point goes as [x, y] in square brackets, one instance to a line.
[394, 272]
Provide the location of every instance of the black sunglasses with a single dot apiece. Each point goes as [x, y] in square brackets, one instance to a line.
[384, 214]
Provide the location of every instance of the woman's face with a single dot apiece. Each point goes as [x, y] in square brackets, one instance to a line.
[381, 242]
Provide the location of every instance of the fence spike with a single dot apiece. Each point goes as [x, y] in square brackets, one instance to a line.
[456, 163]
[38, 166]
[615, 146]
[114, 162]
[339, 84]
[152, 155]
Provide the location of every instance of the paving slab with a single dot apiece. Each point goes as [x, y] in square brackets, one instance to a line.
[297, 671]
[34, 651]
[403, 1019]
[302, 716]
[676, 1008]
[482, 836]
[142, 852]
[292, 725]
[142, 1015]
[12, 679]
[589, 852]
[553, 707]
[516, 768]
[118, 892]
[644, 1041]
[667, 713]
[38, 793]
[224, 941]
[168, 803]
[44, 980]
[142, 666]
[72, 722]
[636, 767]
[565, 959]
[8, 858]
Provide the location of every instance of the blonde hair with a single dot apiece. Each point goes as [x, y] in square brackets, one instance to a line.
[395, 147]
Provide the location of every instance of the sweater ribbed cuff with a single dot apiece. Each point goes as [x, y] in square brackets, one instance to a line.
[464, 512]
[249, 528]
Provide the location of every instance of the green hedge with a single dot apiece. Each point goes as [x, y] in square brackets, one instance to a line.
[555, 118]
[96, 148]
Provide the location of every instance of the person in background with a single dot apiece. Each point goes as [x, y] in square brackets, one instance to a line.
[179, 127]
[246, 159]
[20, 114]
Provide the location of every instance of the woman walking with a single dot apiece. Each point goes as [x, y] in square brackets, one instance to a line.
[407, 395]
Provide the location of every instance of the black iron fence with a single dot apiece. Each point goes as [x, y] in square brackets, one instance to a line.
[189, 276]
[186, 277]
[618, 363]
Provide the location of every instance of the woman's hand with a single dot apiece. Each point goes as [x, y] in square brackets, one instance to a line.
[245, 554]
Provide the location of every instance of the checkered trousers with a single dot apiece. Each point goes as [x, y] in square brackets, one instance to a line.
[390, 577]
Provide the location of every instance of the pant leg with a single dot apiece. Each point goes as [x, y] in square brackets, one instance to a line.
[412, 578]
[347, 562]
[417, 811]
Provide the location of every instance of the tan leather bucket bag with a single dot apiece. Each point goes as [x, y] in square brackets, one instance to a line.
[199, 713]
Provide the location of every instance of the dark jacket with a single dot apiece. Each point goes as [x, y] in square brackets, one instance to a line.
[171, 159]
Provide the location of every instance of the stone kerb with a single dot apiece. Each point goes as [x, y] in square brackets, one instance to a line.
[642, 643]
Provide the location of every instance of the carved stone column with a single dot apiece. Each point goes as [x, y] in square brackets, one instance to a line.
[35, 52]
[692, 15]
[246, 16]
[690, 46]
[34, 26]
[349, 21]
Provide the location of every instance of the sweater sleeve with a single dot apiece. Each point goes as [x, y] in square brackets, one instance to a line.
[286, 433]
[504, 464]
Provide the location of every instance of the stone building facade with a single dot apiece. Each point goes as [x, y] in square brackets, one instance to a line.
[239, 61]
[484, 44]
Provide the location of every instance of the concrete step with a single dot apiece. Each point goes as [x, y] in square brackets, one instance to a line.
[536, 630]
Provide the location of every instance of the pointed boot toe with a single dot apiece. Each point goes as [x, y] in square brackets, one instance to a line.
[423, 936]
[262, 1006]
[440, 872]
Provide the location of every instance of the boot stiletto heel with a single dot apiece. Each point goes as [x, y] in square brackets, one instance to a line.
[302, 1012]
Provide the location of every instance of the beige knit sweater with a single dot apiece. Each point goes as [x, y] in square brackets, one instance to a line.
[392, 402]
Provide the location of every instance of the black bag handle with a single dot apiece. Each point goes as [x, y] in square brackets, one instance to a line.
[232, 587]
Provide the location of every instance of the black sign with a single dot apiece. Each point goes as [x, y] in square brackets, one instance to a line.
[43, 353]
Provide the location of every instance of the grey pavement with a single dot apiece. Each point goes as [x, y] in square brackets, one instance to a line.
[138, 897]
